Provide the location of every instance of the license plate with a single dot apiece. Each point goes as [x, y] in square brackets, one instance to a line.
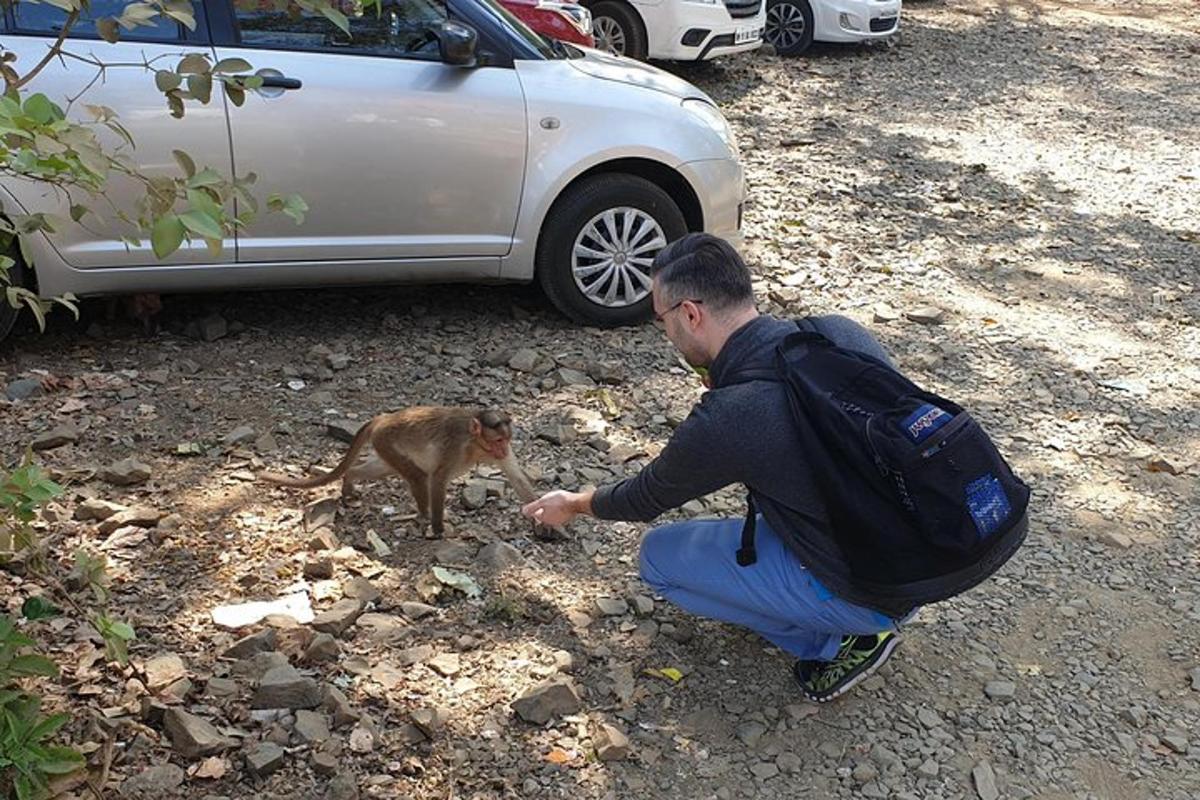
[747, 35]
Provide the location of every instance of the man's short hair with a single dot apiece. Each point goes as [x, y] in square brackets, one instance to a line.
[701, 266]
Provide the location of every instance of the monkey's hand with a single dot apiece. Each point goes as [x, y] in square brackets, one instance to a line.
[554, 509]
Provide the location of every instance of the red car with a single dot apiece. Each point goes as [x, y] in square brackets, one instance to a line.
[567, 22]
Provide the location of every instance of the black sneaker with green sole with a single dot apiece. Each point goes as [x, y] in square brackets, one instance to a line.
[858, 657]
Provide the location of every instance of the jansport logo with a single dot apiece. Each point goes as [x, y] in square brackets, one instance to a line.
[924, 421]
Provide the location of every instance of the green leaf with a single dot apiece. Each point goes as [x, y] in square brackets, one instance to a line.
[166, 80]
[185, 162]
[292, 205]
[61, 761]
[79, 211]
[336, 17]
[193, 63]
[33, 665]
[200, 86]
[123, 630]
[35, 608]
[39, 108]
[231, 65]
[201, 224]
[47, 727]
[235, 95]
[167, 235]
[205, 177]
[108, 29]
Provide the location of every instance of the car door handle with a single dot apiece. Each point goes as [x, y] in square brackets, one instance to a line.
[280, 82]
[275, 81]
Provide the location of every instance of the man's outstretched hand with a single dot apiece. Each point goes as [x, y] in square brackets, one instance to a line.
[558, 508]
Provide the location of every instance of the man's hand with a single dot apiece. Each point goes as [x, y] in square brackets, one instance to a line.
[558, 508]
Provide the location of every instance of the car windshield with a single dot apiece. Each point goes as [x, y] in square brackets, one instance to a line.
[549, 48]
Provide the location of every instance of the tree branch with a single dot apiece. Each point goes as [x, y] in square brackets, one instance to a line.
[54, 48]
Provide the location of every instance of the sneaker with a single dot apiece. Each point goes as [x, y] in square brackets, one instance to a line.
[858, 657]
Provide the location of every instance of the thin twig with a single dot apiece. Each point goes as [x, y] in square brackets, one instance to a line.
[54, 48]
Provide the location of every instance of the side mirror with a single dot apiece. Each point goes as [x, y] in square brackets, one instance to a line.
[456, 43]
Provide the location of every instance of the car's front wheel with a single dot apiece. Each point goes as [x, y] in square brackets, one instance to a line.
[618, 29]
[596, 246]
[789, 26]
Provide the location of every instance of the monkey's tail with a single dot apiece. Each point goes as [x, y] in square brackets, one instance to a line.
[360, 440]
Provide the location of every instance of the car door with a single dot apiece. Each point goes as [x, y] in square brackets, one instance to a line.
[396, 154]
[130, 91]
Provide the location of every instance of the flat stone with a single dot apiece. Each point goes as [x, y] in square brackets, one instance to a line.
[339, 617]
[929, 768]
[382, 628]
[221, 687]
[764, 770]
[212, 327]
[162, 671]
[318, 569]
[94, 509]
[500, 556]
[311, 727]
[1000, 690]
[126, 472]
[985, 781]
[927, 315]
[24, 389]
[751, 732]
[415, 611]
[57, 436]
[336, 703]
[453, 552]
[284, 687]
[430, 720]
[153, 783]
[611, 743]
[324, 763]
[414, 655]
[344, 430]
[612, 606]
[191, 736]
[1135, 716]
[789, 762]
[544, 702]
[265, 758]
[474, 495]
[447, 664]
[524, 360]
[1176, 741]
[1115, 539]
[558, 433]
[261, 642]
[324, 647]
[320, 514]
[643, 606]
[259, 664]
[342, 787]
[140, 517]
[361, 589]
[239, 435]
[1194, 676]
[573, 377]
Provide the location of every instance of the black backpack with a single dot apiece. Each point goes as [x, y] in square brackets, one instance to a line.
[903, 472]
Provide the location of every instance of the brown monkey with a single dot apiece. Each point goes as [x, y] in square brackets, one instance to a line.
[428, 446]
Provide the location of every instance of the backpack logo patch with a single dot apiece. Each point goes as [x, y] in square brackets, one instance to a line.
[988, 504]
[923, 422]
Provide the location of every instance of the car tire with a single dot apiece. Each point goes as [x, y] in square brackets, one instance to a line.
[8, 314]
[597, 275]
[611, 19]
[789, 26]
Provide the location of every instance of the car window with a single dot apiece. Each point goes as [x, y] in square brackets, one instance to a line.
[47, 19]
[395, 28]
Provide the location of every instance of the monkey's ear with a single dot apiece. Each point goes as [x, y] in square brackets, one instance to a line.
[476, 427]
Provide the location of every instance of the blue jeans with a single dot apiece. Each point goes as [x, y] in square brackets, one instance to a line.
[693, 564]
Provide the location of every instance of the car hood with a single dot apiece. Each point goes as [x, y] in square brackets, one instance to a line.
[606, 66]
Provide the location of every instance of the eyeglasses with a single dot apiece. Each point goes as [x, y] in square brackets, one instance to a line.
[660, 318]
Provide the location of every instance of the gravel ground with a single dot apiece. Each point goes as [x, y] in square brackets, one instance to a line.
[1007, 194]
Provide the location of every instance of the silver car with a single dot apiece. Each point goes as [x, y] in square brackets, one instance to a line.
[444, 141]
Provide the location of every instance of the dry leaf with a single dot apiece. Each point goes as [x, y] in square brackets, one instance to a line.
[558, 756]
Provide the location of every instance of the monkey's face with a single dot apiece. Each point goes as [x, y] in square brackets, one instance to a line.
[492, 435]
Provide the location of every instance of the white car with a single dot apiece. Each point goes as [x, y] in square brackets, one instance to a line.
[793, 25]
[445, 142]
[677, 30]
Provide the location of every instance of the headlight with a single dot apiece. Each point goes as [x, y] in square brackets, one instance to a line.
[576, 14]
[713, 118]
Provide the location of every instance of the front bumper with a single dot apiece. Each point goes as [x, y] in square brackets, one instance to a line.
[855, 20]
[688, 31]
[721, 188]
